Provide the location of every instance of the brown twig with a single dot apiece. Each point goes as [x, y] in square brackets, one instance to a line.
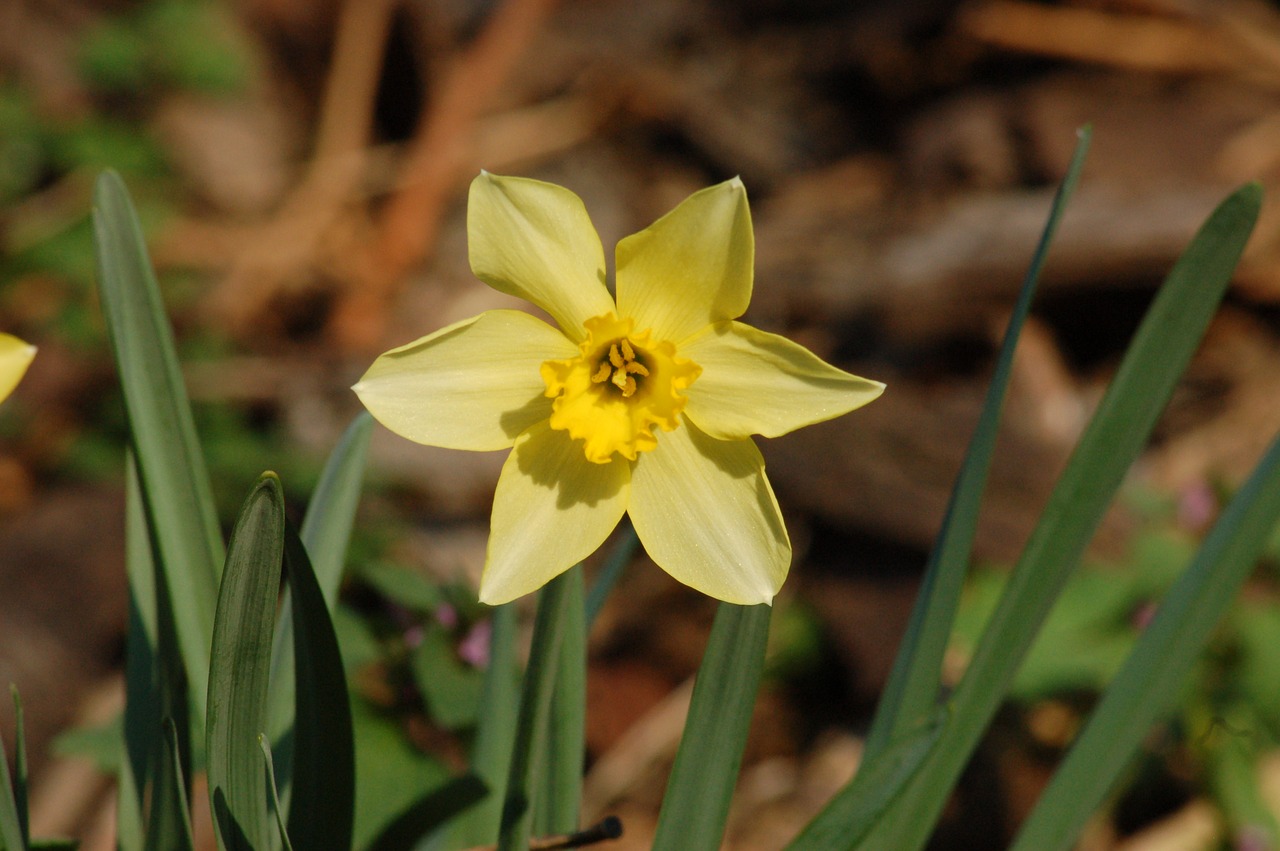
[306, 221]
[437, 159]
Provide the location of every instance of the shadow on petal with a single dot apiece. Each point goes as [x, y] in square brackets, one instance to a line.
[551, 459]
[741, 459]
[513, 422]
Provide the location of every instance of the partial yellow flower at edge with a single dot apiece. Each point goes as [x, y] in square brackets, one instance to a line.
[15, 356]
[644, 406]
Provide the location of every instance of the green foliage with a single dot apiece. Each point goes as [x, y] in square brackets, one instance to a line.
[181, 44]
[282, 737]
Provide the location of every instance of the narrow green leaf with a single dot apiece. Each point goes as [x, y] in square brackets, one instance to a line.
[11, 831]
[326, 532]
[175, 483]
[429, 813]
[535, 706]
[850, 814]
[561, 784]
[169, 828]
[331, 515]
[240, 667]
[142, 714]
[321, 810]
[1156, 358]
[275, 794]
[612, 570]
[495, 735]
[696, 804]
[1148, 686]
[20, 769]
[912, 692]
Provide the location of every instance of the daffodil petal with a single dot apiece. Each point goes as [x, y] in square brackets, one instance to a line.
[15, 357]
[690, 268]
[534, 240]
[754, 382]
[706, 514]
[552, 509]
[473, 385]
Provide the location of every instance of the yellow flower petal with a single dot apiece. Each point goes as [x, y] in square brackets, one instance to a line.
[473, 385]
[534, 240]
[690, 268]
[706, 515]
[754, 382]
[15, 357]
[552, 509]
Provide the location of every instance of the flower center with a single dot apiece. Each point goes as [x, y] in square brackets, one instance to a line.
[619, 386]
[621, 368]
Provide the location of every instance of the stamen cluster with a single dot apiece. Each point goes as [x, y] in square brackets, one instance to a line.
[620, 368]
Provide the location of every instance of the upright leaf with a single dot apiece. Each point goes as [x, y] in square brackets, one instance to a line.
[326, 532]
[170, 825]
[321, 809]
[1160, 351]
[175, 484]
[696, 804]
[12, 836]
[912, 693]
[1149, 685]
[239, 670]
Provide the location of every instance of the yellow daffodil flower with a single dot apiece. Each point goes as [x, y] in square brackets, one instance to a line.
[15, 357]
[644, 405]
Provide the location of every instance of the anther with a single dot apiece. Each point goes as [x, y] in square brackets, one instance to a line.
[614, 357]
[602, 374]
[628, 352]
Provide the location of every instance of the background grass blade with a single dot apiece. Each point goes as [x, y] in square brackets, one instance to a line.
[560, 800]
[21, 776]
[175, 483]
[321, 809]
[912, 692]
[495, 735]
[169, 828]
[155, 695]
[852, 811]
[1157, 357]
[1149, 684]
[142, 713]
[535, 705]
[11, 831]
[240, 667]
[696, 803]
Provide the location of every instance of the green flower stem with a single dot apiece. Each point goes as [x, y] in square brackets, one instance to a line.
[535, 706]
[696, 804]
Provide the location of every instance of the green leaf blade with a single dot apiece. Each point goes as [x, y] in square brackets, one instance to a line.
[321, 808]
[1148, 685]
[912, 692]
[175, 483]
[239, 670]
[1155, 360]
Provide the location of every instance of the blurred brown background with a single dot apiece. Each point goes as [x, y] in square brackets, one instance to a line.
[307, 213]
